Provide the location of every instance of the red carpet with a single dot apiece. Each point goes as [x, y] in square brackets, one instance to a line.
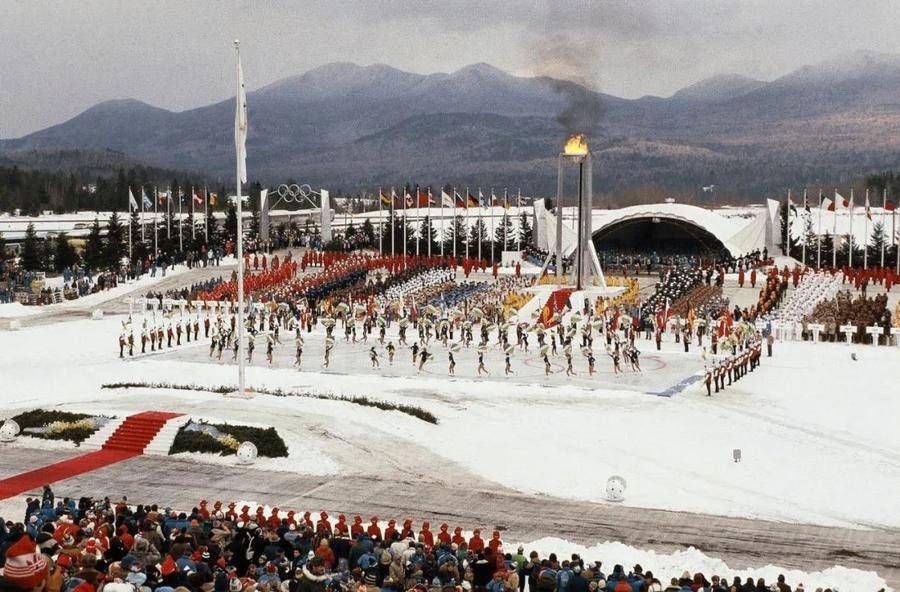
[128, 441]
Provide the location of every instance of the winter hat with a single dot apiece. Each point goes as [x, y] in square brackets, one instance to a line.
[235, 585]
[25, 566]
[138, 578]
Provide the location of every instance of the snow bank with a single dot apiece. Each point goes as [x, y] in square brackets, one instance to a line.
[666, 566]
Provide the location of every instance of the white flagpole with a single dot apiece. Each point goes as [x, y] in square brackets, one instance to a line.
[850, 234]
[240, 106]
[193, 216]
[468, 238]
[786, 249]
[143, 199]
[480, 225]
[519, 216]
[404, 227]
[380, 224]
[441, 233]
[155, 221]
[453, 225]
[491, 218]
[169, 214]
[883, 226]
[392, 214]
[418, 230]
[866, 232]
[129, 224]
[206, 215]
[803, 250]
[819, 235]
[834, 231]
[180, 223]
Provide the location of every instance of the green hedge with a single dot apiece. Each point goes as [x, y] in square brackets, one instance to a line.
[40, 418]
[268, 443]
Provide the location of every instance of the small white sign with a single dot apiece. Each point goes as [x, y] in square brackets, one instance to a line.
[874, 332]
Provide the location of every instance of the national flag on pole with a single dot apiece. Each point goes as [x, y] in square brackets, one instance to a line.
[145, 200]
[198, 199]
[423, 198]
[868, 207]
[494, 200]
[840, 202]
[132, 203]
[805, 202]
[408, 198]
[471, 200]
[446, 200]
[385, 199]
[827, 205]
[790, 202]
[481, 201]
[241, 125]
[213, 199]
[162, 196]
[889, 206]
[505, 200]
[459, 199]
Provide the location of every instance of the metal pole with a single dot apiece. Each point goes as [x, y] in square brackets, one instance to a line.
[834, 231]
[206, 215]
[143, 199]
[850, 234]
[193, 216]
[180, 223]
[129, 226]
[819, 235]
[240, 240]
[883, 226]
[866, 233]
[155, 221]
[559, 214]
[803, 248]
[468, 236]
[519, 215]
[380, 224]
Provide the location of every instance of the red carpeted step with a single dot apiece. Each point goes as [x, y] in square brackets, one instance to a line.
[137, 431]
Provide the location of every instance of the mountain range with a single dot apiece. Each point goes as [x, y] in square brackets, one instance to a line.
[348, 127]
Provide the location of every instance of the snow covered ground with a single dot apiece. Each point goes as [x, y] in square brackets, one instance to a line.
[809, 422]
[816, 429]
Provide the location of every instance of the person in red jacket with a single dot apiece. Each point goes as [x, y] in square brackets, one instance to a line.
[407, 532]
[753, 278]
[426, 535]
[495, 543]
[458, 538]
[323, 526]
[308, 521]
[324, 551]
[202, 510]
[374, 530]
[341, 526]
[356, 528]
[391, 530]
[290, 519]
[444, 536]
[476, 543]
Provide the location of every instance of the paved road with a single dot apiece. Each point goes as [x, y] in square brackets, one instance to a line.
[522, 517]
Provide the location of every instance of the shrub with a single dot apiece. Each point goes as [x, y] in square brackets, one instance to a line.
[268, 443]
[65, 425]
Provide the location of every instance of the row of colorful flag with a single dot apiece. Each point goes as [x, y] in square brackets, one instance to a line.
[423, 198]
[841, 203]
[166, 198]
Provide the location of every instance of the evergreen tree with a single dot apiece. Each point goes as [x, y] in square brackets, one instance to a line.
[877, 240]
[368, 233]
[525, 232]
[478, 233]
[93, 248]
[230, 227]
[64, 255]
[116, 246]
[788, 243]
[428, 237]
[827, 249]
[31, 250]
[504, 234]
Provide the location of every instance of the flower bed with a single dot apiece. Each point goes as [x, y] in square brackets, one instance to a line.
[224, 439]
[58, 425]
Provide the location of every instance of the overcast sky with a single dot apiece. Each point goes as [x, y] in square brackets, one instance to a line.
[59, 58]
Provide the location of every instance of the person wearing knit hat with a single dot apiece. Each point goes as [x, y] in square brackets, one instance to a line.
[26, 567]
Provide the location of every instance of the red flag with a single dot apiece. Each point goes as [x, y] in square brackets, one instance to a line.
[889, 206]
[198, 199]
[423, 200]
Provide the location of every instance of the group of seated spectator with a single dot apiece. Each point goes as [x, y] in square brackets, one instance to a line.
[844, 309]
[89, 545]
